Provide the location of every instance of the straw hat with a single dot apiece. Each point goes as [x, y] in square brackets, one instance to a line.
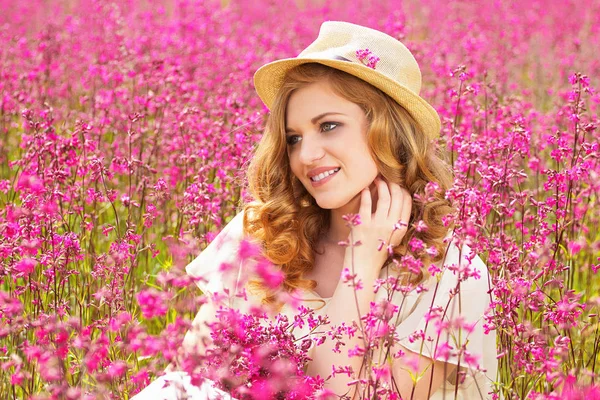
[370, 55]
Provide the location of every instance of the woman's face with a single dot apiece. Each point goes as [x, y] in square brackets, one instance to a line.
[327, 145]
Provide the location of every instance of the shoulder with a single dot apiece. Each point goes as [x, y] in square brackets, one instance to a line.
[460, 288]
[451, 309]
[461, 265]
[228, 238]
[232, 231]
[222, 253]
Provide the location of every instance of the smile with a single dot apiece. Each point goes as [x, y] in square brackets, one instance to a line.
[323, 177]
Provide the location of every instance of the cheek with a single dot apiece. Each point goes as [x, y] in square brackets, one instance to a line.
[294, 164]
[368, 171]
[365, 165]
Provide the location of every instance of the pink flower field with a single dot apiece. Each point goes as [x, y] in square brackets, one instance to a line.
[125, 131]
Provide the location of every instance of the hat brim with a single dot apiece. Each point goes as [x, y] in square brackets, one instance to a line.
[269, 78]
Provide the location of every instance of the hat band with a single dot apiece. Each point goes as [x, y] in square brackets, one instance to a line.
[336, 57]
[364, 57]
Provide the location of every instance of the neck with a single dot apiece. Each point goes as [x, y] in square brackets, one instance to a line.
[338, 231]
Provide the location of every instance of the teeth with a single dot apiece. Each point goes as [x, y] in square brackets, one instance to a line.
[324, 175]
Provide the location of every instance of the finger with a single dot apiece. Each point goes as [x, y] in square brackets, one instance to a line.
[365, 205]
[406, 209]
[383, 202]
[396, 199]
[401, 223]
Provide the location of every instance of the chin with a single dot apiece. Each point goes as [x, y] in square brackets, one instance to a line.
[328, 205]
[333, 203]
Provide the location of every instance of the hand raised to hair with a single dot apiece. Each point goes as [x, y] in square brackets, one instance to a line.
[388, 222]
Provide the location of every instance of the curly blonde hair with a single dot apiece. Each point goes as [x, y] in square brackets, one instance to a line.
[285, 219]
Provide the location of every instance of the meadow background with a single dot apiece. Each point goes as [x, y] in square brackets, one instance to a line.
[125, 129]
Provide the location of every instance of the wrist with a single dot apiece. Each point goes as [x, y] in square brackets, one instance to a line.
[364, 262]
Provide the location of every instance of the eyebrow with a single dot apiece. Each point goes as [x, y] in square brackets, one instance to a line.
[315, 119]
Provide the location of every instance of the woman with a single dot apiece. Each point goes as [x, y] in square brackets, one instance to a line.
[348, 134]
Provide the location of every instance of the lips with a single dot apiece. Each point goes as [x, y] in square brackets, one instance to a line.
[320, 176]
[321, 170]
[323, 175]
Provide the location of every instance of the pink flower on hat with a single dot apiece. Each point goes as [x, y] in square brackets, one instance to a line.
[367, 57]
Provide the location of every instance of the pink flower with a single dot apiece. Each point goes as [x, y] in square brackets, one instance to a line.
[248, 250]
[25, 266]
[367, 58]
[152, 302]
[270, 275]
[443, 351]
[384, 373]
[117, 369]
[351, 219]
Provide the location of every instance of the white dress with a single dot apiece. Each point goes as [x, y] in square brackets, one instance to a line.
[470, 304]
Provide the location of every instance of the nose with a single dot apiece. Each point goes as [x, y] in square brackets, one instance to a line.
[311, 149]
